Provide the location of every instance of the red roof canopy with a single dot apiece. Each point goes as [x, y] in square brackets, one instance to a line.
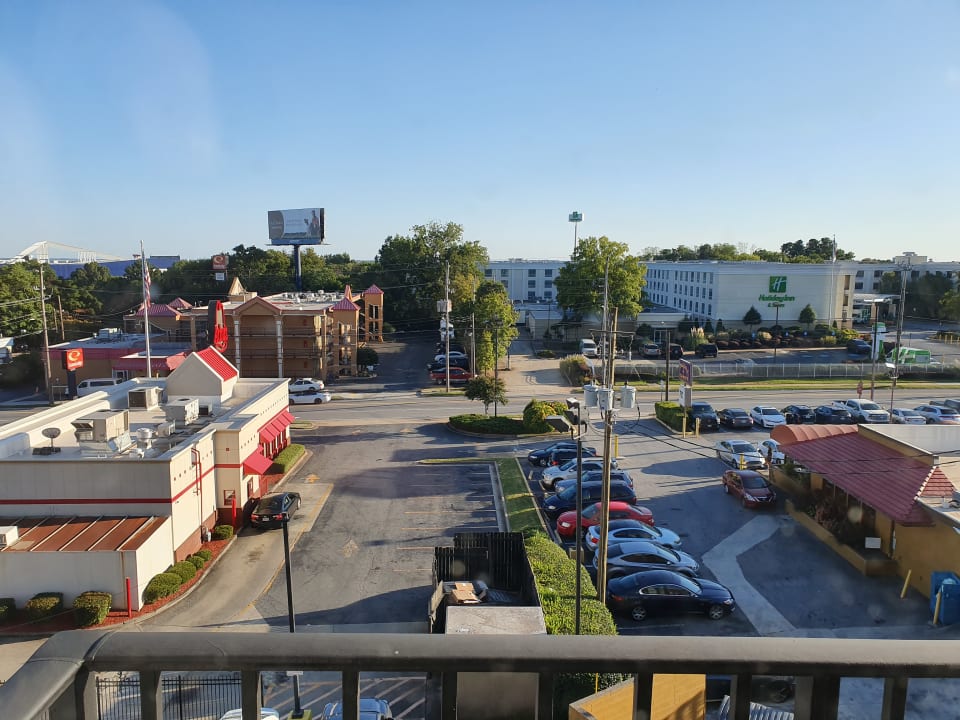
[257, 464]
[220, 365]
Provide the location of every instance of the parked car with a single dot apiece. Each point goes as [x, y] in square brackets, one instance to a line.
[627, 558]
[566, 499]
[704, 412]
[864, 411]
[949, 402]
[568, 471]
[541, 457]
[460, 362]
[734, 418]
[859, 349]
[766, 416]
[370, 709]
[265, 714]
[832, 415]
[676, 351]
[442, 358]
[798, 414]
[269, 511]
[735, 452]
[651, 350]
[567, 522]
[619, 531]
[305, 384]
[770, 449]
[939, 415]
[457, 375]
[752, 488]
[705, 350]
[562, 455]
[905, 416]
[655, 592]
[308, 397]
[595, 476]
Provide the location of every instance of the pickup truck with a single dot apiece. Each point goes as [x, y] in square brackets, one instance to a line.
[864, 411]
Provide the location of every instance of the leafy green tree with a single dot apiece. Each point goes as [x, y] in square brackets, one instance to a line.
[579, 283]
[20, 298]
[411, 271]
[808, 316]
[492, 309]
[924, 295]
[950, 306]
[192, 280]
[487, 390]
[813, 251]
[708, 327]
[266, 271]
[752, 317]
[889, 283]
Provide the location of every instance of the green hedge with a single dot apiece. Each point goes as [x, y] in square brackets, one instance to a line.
[574, 370]
[184, 570]
[670, 413]
[91, 607]
[488, 424]
[8, 607]
[197, 561]
[222, 532]
[536, 411]
[160, 586]
[44, 605]
[287, 457]
[204, 553]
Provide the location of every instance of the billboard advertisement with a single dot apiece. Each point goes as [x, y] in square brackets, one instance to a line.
[296, 227]
[219, 262]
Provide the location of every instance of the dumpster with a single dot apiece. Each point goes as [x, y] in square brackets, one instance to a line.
[948, 585]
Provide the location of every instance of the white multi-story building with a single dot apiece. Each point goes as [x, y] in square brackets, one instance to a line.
[525, 280]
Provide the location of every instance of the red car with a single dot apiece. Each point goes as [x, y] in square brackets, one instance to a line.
[752, 488]
[457, 375]
[567, 522]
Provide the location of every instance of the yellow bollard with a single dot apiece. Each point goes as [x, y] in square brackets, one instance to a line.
[684, 426]
[616, 446]
[936, 608]
[906, 584]
[697, 421]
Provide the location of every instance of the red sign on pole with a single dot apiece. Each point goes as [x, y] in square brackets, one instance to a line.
[686, 372]
[73, 359]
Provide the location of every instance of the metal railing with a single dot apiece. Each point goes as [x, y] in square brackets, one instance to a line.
[60, 679]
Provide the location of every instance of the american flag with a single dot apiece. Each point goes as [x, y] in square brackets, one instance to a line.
[146, 282]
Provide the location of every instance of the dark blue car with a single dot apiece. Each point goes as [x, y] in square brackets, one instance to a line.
[655, 592]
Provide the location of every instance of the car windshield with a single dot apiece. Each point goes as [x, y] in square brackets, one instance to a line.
[769, 411]
[737, 413]
[273, 503]
[701, 408]
[909, 413]
[742, 447]
[592, 511]
[754, 482]
[869, 406]
[569, 464]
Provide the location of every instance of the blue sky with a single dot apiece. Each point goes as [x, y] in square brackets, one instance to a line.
[182, 123]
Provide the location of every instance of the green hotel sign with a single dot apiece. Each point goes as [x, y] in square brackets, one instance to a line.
[777, 287]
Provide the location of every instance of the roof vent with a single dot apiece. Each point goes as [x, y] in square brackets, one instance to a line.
[8, 535]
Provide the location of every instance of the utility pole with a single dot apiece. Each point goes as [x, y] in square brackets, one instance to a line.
[473, 344]
[63, 332]
[496, 364]
[46, 340]
[446, 329]
[900, 313]
[666, 379]
[607, 446]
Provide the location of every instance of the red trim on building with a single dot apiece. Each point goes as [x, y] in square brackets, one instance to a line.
[218, 363]
[257, 464]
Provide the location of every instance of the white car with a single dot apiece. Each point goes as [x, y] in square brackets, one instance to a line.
[453, 354]
[740, 452]
[265, 714]
[936, 415]
[766, 416]
[305, 384]
[905, 416]
[310, 397]
[636, 530]
[568, 471]
[770, 449]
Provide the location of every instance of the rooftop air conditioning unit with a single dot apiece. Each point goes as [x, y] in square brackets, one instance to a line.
[8, 535]
[102, 426]
[108, 334]
[145, 398]
[183, 411]
[165, 429]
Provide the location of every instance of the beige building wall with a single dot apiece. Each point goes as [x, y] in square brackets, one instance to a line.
[675, 697]
[924, 550]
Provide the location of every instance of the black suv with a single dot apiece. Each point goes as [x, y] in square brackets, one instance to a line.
[705, 413]
[676, 351]
[567, 499]
[706, 350]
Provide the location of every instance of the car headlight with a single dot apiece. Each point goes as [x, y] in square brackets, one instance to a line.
[750, 497]
[728, 601]
[564, 524]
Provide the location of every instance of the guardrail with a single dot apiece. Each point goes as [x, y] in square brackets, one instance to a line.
[59, 679]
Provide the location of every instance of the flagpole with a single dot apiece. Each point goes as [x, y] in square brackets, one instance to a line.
[145, 282]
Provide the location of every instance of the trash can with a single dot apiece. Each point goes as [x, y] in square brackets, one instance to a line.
[948, 585]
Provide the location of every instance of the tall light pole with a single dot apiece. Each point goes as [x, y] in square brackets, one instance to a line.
[297, 710]
[900, 313]
[496, 364]
[576, 217]
[46, 341]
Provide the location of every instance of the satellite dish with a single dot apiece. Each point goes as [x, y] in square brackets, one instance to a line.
[51, 432]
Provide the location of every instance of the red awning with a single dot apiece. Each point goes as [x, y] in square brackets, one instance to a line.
[257, 464]
[275, 427]
[286, 417]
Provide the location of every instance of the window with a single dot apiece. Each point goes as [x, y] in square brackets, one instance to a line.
[488, 272]
[531, 283]
[858, 286]
[859, 273]
[548, 294]
[548, 272]
[548, 283]
[532, 272]
[531, 294]
[504, 273]
[506, 284]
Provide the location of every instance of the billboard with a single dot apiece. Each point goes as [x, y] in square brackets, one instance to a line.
[219, 262]
[295, 227]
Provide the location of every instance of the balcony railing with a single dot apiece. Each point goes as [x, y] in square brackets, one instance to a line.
[60, 678]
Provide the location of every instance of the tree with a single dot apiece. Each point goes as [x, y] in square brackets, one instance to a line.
[708, 327]
[579, 283]
[924, 295]
[950, 306]
[412, 271]
[752, 317]
[889, 284]
[492, 309]
[487, 390]
[808, 316]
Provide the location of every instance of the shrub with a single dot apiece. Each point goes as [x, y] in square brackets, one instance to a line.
[204, 553]
[287, 457]
[91, 607]
[44, 605]
[222, 532]
[546, 353]
[7, 609]
[574, 369]
[670, 413]
[829, 341]
[536, 411]
[197, 561]
[487, 424]
[160, 586]
[184, 570]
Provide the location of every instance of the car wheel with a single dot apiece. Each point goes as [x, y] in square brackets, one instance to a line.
[298, 503]
[718, 455]
[638, 613]
[317, 401]
[716, 612]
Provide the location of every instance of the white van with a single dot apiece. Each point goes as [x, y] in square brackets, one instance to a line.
[92, 385]
[588, 348]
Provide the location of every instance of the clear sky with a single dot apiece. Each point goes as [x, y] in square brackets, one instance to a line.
[754, 123]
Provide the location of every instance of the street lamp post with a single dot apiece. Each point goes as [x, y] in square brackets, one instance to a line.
[496, 365]
[297, 710]
[576, 217]
[776, 325]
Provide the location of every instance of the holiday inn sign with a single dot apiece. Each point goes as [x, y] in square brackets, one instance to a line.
[777, 288]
